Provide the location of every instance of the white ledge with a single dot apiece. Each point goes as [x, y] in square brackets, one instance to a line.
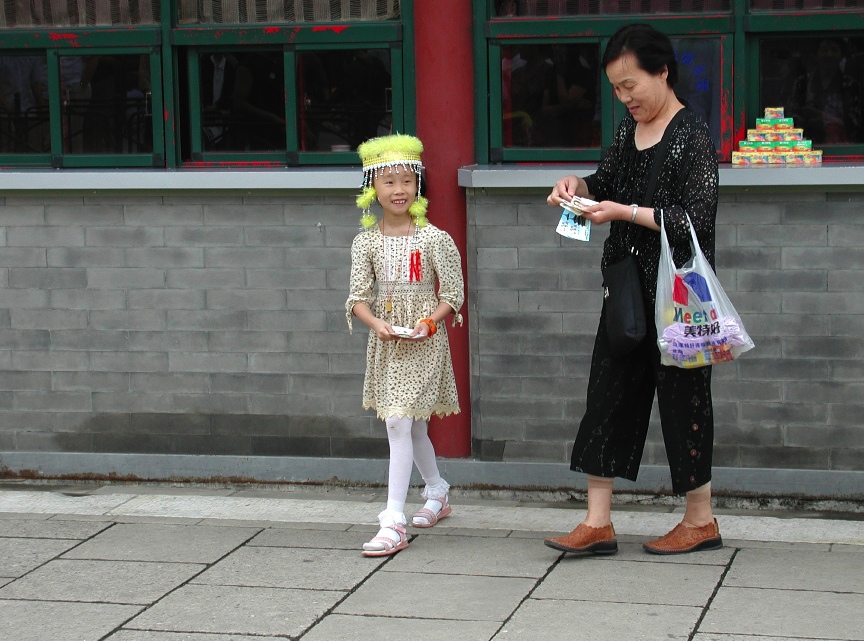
[544, 176]
[196, 179]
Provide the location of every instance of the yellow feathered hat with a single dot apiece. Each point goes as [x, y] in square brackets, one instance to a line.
[395, 151]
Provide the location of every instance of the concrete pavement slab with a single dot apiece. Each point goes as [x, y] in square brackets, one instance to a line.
[22, 555]
[124, 582]
[293, 538]
[197, 489]
[19, 516]
[479, 556]
[590, 579]
[825, 572]
[791, 613]
[300, 568]
[554, 620]
[286, 525]
[50, 529]
[54, 620]
[152, 542]
[54, 503]
[149, 635]
[437, 596]
[738, 637]
[237, 610]
[635, 552]
[339, 627]
[5, 581]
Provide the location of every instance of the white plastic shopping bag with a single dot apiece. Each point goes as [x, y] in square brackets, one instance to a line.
[696, 323]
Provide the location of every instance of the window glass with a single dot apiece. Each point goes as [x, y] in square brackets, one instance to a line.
[819, 81]
[513, 8]
[550, 96]
[805, 5]
[242, 101]
[24, 104]
[106, 104]
[251, 11]
[699, 79]
[50, 13]
[344, 98]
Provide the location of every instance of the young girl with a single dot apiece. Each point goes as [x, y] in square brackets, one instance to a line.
[409, 374]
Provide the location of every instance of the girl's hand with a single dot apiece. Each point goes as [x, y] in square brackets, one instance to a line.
[607, 211]
[383, 330]
[420, 333]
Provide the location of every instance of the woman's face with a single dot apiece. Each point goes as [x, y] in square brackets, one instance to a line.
[643, 94]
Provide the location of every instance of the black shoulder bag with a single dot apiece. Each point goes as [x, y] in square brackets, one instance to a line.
[622, 289]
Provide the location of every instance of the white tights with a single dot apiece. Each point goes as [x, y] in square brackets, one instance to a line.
[410, 445]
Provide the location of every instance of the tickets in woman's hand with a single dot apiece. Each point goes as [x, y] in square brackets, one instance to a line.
[573, 224]
[578, 203]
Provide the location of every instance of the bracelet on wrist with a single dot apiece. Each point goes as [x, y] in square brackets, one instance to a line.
[633, 216]
[430, 324]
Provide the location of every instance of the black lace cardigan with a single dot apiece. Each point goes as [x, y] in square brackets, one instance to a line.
[688, 183]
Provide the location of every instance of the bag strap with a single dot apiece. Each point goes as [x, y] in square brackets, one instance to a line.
[659, 159]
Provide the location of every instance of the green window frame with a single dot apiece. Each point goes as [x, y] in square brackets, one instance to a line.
[739, 32]
[54, 44]
[169, 43]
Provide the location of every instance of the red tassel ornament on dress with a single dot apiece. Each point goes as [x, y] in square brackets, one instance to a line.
[416, 274]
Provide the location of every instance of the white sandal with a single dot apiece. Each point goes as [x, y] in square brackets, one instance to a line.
[383, 545]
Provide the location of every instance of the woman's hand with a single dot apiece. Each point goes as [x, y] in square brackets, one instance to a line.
[607, 211]
[564, 190]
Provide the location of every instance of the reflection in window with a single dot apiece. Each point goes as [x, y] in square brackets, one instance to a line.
[819, 81]
[699, 79]
[242, 101]
[550, 95]
[24, 105]
[511, 8]
[344, 98]
[106, 105]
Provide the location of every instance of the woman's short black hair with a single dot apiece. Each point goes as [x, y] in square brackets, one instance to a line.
[652, 49]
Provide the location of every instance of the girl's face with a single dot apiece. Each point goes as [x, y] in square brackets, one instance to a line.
[643, 94]
[396, 190]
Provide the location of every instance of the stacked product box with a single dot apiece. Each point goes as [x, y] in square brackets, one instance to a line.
[776, 141]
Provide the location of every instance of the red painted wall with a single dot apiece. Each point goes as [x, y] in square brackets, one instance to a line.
[445, 124]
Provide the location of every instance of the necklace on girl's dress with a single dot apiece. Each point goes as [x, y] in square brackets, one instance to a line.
[393, 270]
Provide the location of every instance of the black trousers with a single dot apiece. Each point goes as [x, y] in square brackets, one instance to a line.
[612, 433]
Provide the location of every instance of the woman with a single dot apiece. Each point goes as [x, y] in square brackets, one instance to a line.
[640, 64]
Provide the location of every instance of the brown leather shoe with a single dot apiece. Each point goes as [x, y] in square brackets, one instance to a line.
[683, 539]
[595, 540]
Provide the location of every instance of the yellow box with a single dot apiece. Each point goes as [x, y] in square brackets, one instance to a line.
[774, 112]
[756, 135]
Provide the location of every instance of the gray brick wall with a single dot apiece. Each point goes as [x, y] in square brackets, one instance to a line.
[180, 323]
[794, 269]
[184, 323]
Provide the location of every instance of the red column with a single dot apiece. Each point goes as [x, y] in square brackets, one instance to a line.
[445, 124]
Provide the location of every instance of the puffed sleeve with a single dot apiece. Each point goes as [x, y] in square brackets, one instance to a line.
[696, 197]
[448, 267]
[362, 288]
